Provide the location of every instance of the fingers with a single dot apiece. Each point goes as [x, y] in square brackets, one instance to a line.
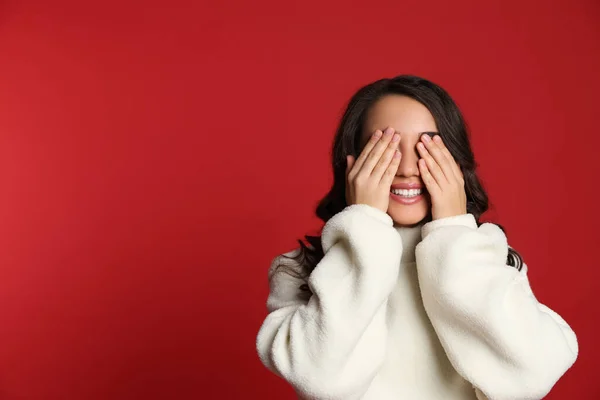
[437, 162]
[453, 164]
[384, 161]
[367, 150]
[390, 171]
[432, 166]
[377, 151]
[428, 179]
[440, 163]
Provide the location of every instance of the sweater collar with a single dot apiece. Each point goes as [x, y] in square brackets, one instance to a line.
[411, 236]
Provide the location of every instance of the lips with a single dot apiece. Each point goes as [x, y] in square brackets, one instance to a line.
[406, 200]
[407, 186]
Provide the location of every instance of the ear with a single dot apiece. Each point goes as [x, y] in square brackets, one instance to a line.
[349, 163]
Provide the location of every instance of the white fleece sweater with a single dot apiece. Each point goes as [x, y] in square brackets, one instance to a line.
[412, 313]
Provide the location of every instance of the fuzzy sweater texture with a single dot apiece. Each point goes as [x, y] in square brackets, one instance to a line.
[413, 313]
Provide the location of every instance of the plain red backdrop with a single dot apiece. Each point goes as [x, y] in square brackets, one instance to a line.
[155, 156]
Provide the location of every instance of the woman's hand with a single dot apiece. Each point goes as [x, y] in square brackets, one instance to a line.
[442, 177]
[370, 176]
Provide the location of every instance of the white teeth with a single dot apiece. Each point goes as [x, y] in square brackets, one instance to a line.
[407, 192]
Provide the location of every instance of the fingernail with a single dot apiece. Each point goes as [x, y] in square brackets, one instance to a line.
[437, 138]
[426, 138]
[377, 133]
[389, 131]
[396, 137]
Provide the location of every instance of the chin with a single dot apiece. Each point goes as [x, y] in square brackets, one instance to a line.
[409, 215]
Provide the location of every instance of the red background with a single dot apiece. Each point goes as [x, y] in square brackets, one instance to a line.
[154, 158]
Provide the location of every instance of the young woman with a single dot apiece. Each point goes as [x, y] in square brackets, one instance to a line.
[406, 295]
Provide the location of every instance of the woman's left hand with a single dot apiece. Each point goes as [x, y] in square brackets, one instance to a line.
[442, 177]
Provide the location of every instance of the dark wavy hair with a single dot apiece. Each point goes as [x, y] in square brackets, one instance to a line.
[451, 127]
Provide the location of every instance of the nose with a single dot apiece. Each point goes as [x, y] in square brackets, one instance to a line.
[409, 161]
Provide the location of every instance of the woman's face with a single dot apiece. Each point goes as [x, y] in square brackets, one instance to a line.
[409, 118]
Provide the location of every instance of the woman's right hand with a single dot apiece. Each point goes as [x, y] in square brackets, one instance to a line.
[370, 176]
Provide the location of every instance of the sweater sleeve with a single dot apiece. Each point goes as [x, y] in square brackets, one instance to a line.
[332, 344]
[494, 331]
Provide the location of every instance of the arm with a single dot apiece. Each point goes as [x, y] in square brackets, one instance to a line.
[494, 331]
[332, 345]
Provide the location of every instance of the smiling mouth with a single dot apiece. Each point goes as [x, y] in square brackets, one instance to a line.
[408, 193]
